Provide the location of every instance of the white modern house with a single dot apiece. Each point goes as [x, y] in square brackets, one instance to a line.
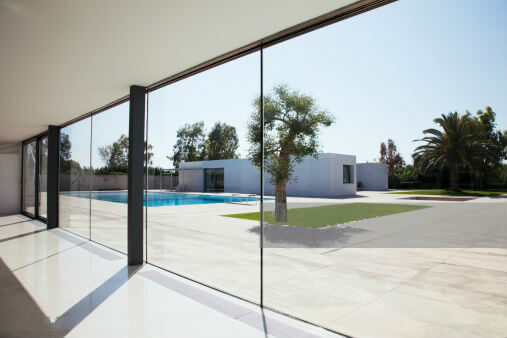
[328, 175]
[373, 176]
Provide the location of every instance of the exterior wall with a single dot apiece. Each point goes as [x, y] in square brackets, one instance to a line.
[10, 178]
[240, 176]
[164, 182]
[322, 176]
[336, 185]
[191, 180]
[112, 182]
[374, 176]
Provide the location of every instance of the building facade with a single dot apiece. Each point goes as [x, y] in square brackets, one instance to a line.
[372, 176]
[328, 175]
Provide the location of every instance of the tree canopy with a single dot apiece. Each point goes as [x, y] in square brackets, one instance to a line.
[115, 155]
[193, 144]
[67, 165]
[390, 156]
[222, 142]
[492, 146]
[190, 144]
[464, 142]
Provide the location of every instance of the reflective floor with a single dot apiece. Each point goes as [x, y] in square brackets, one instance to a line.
[56, 284]
[439, 271]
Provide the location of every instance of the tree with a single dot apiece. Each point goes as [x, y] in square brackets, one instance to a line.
[65, 153]
[65, 147]
[222, 142]
[405, 173]
[115, 155]
[190, 144]
[466, 142]
[390, 156]
[492, 150]
[452, 148]
[292, 122]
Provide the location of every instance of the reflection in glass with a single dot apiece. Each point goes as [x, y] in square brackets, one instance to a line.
[74, 176]
[361, 261]
[43, 176]
[198, 130]
[109, 177]
[29, 156]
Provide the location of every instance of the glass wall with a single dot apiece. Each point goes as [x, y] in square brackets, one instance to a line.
[43, 176]
[109, 180]
[200, 127]
[29, 177]
[342, 107]
[75, 170]
[93, 177]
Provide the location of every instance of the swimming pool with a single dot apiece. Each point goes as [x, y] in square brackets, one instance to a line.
[157, 199]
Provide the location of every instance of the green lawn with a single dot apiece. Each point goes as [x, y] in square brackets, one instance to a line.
[317, 217]
[442, 192]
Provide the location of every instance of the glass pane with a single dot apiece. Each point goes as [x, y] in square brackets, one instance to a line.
[74, 194]
[214, 180]
[43, 177]
[348, 174]
[109, 180]
[343, 106]
[200, 174]
[29, 156]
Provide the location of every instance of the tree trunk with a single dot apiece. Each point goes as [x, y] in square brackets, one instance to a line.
[281, 202]
[454, 178]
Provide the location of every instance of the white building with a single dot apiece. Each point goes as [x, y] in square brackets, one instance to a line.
[373, 176]
[328, 175]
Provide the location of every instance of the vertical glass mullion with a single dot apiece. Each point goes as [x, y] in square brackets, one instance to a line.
[147, 177]
[36, 178]
[261, 216]
[90, 178]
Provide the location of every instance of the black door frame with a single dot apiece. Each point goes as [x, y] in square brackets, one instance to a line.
[37, 139]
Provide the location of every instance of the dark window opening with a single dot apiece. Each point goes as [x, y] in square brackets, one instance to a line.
[214, 180]
[348, 174]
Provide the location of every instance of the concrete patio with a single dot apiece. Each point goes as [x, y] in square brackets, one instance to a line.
[440, 271]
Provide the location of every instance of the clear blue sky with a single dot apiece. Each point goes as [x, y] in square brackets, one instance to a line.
[383, 74]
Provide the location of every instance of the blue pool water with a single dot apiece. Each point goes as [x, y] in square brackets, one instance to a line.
[157, 199]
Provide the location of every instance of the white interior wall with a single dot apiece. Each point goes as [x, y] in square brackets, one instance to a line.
[10, 178]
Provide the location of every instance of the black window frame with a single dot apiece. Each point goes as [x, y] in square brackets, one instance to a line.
[37, 139]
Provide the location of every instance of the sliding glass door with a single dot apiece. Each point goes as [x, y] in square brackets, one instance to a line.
[74, 187]
[34, 189]
[200, 127]
[29, 177]
[43, 177]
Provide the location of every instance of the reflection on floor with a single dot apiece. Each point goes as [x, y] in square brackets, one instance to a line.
[57, 284]
[439, 271]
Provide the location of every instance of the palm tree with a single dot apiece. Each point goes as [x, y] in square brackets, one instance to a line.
[452, 149]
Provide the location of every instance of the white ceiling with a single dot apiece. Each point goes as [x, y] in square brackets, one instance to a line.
[60, 59]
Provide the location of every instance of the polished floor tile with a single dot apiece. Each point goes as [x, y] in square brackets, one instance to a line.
[57, 284]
